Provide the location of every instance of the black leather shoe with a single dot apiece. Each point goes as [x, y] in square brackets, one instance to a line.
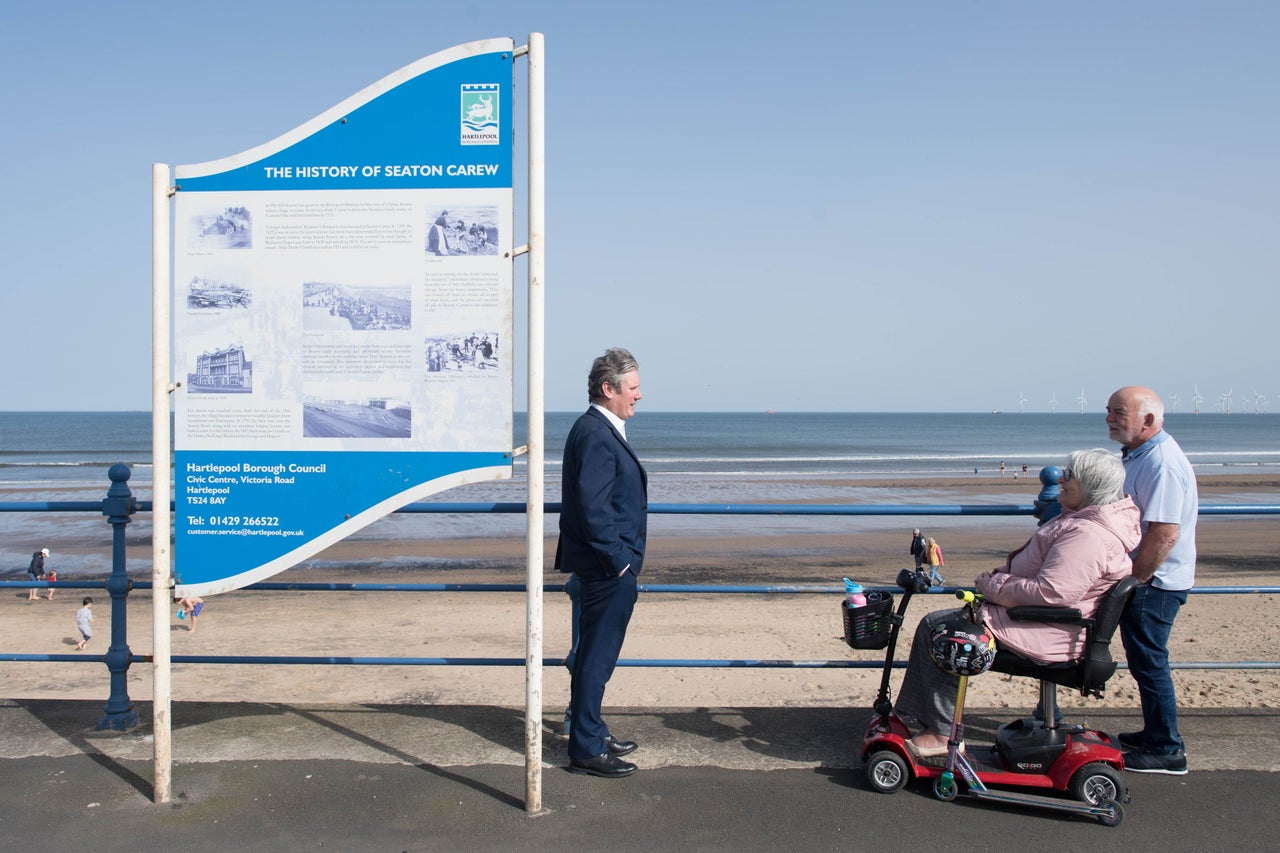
[607, 765]
[620, 747]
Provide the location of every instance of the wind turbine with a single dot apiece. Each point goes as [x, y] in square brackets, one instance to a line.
[1259, 402]
[1081, 400]
[1224, 402]
[1053, 403]
[1174, 399]
[1022, 404]
[1197, 399]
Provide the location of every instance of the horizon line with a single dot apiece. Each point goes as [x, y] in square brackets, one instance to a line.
[1070, 413]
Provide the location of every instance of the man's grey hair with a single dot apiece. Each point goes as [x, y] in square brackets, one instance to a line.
[609, 369]
[1151, 404]
[1101, 476]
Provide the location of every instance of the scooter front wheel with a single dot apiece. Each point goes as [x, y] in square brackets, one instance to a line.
[887, 772]
[1114, 815]
[945, 787]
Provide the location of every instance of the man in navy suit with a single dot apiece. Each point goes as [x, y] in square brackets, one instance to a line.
[603, 523]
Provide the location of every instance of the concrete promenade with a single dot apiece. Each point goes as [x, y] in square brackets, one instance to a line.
[364, 777]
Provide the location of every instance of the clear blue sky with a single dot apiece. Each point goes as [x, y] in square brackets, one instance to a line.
[843, 205]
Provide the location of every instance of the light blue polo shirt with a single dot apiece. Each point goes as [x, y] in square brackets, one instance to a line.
[1158, 476]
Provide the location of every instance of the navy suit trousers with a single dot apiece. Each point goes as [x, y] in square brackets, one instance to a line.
[607, 604]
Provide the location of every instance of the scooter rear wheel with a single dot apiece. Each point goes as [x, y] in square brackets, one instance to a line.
[886, 772]
[1097, 783]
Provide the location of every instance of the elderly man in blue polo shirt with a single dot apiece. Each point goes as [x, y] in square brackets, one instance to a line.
[1159, 478]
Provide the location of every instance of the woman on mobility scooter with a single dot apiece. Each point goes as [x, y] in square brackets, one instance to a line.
[1072, 561]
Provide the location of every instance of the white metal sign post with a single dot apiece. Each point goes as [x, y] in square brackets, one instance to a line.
[161, 518]
[537, 442]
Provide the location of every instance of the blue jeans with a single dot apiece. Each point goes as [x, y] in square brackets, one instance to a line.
[1144, 630]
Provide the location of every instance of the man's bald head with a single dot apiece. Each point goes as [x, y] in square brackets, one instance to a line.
[1134, 415]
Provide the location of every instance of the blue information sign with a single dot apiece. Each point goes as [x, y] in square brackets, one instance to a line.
[342, 319]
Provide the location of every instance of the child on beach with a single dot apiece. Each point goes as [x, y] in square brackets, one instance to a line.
[53, 578]
[191, 608]
[84, 616]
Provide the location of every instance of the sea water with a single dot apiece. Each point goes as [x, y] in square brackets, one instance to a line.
[691, 457]
[74, 449]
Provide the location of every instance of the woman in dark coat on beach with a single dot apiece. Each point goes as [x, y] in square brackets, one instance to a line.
[35, 570]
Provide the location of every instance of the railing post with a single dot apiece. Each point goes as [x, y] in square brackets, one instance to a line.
[119, 712]
[1046, 505]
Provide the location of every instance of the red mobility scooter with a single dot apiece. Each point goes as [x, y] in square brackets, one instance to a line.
[1029, 753]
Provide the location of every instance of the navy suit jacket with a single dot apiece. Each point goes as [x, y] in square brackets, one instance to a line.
[604, 502]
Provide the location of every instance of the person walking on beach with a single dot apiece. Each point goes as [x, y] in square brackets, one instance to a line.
[1161, 482]
[918, 548]
[35, 571]
[84, 616]
[52, 577]
[190, 609]
[935, 563]
[603, 528]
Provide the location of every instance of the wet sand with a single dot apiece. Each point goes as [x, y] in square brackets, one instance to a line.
[1234, 551]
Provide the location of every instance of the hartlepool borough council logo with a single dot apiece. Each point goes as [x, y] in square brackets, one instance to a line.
[479, 114]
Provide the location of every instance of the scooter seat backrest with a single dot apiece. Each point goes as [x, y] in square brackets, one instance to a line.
[1107, 618]
[1097, 665]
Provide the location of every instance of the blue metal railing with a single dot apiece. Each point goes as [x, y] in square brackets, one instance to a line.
[120, 505]
[689, 509]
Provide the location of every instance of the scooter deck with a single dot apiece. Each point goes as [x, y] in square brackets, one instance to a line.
[986, 763]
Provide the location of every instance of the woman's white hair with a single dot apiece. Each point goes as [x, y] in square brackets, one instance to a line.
[1101, 476]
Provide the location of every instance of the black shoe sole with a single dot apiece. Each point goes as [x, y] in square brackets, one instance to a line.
[587, 771]
[1161, 771]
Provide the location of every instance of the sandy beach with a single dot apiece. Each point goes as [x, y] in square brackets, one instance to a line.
[1234, 551]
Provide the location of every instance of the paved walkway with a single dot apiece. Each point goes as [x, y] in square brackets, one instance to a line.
[291, 777]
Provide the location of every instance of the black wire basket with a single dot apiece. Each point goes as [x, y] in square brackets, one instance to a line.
[868, 627]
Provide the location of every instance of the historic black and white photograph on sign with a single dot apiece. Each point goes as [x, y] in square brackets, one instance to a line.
[223, 289]
[224, 228]
[222, 371]
[332, 307]
[328, 414]
[471, 352]
[463, 230]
